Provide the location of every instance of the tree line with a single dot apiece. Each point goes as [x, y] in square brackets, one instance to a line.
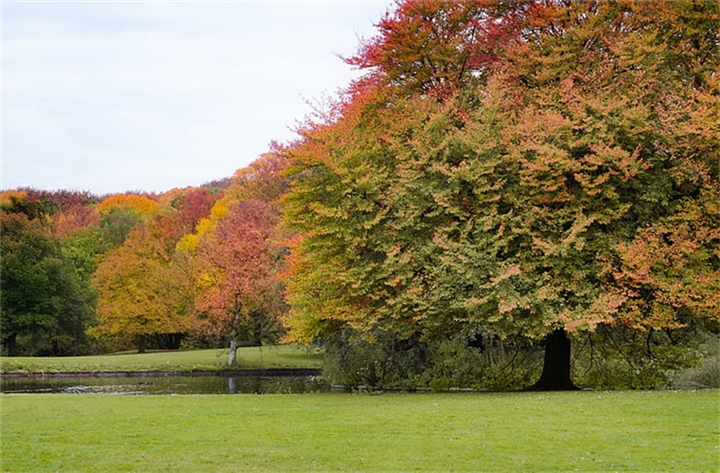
[81, 273]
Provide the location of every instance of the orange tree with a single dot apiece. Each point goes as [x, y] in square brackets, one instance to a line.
[146, 286]
[563, 182]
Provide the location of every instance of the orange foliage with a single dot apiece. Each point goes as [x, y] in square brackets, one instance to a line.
[136, 202]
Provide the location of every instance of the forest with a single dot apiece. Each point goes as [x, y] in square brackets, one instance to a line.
[513, 195]
[193, 267]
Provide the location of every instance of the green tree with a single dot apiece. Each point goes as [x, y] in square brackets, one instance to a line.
[572, 187]
[116, 224]
[46, 306]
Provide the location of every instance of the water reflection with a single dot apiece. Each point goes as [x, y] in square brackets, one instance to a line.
[167, 385]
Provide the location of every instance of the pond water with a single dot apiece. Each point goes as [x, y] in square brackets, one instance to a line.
[167, 385]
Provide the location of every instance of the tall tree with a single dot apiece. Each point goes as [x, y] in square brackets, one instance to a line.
[120, 213]
[140, 290]
[571, 187]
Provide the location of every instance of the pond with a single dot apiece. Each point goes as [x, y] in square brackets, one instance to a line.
[167, 385]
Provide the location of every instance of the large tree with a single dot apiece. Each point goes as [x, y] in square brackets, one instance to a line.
[45, 304]
[564, 180]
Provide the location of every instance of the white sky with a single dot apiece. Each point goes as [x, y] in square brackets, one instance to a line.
[108, 97]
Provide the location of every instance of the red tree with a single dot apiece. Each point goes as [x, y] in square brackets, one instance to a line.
[237, 278]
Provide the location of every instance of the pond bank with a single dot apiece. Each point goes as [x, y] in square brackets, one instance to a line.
[162, 374]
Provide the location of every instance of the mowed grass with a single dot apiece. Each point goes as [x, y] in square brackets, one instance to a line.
[274, 357]
[649, 431]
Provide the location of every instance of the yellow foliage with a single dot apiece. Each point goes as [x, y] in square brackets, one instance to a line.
[203, 226]
[7, 195]
[188, 242]
[205, 280]
[218, 211]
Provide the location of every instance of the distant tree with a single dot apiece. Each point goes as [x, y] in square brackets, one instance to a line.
[84, 248]
[222, 183]
[146, 285]
[139, 203]
[142, 292]
[46, 306]
[239, 295]
[116, 224]
[27, 202]
[120, 213]
[262, 180]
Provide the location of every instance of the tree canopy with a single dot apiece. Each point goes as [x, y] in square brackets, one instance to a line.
[564, 180]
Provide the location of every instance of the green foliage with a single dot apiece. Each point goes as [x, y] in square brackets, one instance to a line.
[383, 361]
[46, 305]
[496, 365]
[705, 375]
[84, 249]
[620, 358]
[116, 224]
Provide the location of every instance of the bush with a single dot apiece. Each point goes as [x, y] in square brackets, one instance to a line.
[374, 361]
[706, 375]
[620, 358]
[382, 360]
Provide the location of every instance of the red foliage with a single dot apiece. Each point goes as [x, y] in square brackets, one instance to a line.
[435, 47]
[237, 274]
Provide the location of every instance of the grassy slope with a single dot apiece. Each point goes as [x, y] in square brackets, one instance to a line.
[586, 431]
[249, 357]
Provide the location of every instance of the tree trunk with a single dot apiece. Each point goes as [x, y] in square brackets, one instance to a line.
[556, 368]
[233, 350]
[11, 343]
[234, 332]
[140, 342]
[258, 333]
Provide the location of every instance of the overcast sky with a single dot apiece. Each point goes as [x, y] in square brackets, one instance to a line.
[108, 97]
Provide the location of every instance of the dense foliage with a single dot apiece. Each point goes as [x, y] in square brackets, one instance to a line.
[83, 273]
[46, 302]
[544, 168]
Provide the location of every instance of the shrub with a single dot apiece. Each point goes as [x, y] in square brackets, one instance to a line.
[378, 360]
[464, 361]
[706, 375]
[620, 358]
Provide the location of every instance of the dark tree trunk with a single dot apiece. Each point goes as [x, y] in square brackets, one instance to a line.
[257, 334]
[140, 343]
[556, 368]
[11, 344]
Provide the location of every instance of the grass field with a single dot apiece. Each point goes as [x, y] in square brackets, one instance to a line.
[283, 356]
[649, 431]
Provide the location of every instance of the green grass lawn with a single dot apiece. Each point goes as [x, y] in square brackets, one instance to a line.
[283, 356]
[649, 431]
